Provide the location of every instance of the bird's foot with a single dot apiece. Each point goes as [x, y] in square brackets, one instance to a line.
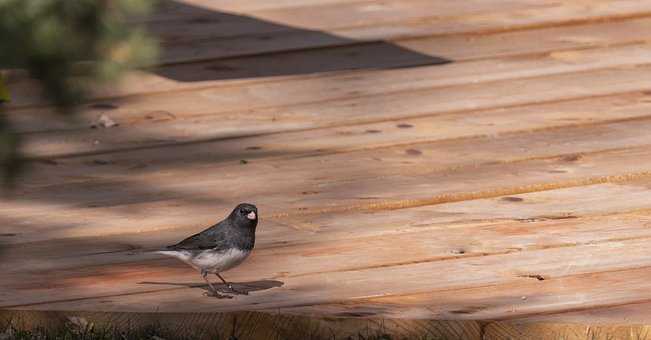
[236, 291]
[215, 294]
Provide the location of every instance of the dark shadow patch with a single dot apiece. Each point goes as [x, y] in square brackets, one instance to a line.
[468, 310]
[100, 162]
[216, 45]
[159, 116]
[359, 314]
[559, 217]
[404, 126]
[248, 287]
[512, 199]
[47, 161]
[572, 158]
[533, 276]
[413, 152]
[103, 106]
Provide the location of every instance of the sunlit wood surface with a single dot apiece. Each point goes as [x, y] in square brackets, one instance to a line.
[448, 160]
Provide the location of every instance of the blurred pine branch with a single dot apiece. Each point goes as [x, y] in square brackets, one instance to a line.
[67, 46]
[4, 93]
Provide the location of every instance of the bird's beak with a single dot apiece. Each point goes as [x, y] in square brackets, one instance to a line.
[251, 215]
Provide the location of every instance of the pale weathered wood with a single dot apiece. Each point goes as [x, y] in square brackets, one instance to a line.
[163, 127]
[468, 229]
[497, 21]
[519, 301]
[461, 224]
[599, 133]
[510, 184]
[138, 271]
[356, 109]
[210, 20]
[348, 285]
[337, 181]
[456, 48]
[481, 124]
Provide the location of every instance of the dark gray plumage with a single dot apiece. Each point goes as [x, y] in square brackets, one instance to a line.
[221, 247]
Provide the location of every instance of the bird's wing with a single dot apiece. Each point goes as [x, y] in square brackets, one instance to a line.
[211, 238]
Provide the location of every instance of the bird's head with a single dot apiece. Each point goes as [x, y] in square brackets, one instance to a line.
[245, 215]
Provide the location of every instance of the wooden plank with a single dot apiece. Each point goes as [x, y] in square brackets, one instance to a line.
[163, 128]
[200, 75]
[483, 213]
[483, 219]
[346, 222]
[187, 9]
[578, 295]
[347, 109]
[256, 5]
[644, 200]
[494, 204]
[329, 287]
[70, 203]
[540, 220]
[294, 68]
[185, 22]
[454, 47]
[434, 173]
[502, 21]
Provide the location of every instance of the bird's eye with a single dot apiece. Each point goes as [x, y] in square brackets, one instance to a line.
[242, 211]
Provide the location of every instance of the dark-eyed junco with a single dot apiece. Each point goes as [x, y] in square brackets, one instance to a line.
[221, 247]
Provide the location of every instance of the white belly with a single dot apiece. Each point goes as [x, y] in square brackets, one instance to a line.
[211, 261]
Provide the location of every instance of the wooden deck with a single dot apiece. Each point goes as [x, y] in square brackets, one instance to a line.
[457, 160]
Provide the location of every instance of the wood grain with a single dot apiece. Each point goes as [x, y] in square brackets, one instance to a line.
[435, 174]
[485, 162]
[529, 47]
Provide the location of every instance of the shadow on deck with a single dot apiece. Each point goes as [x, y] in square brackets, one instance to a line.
[230, 46]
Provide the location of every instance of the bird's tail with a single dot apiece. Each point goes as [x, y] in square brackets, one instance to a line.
[148, 251]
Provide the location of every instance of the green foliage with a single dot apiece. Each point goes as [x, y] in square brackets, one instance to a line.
[68, 46]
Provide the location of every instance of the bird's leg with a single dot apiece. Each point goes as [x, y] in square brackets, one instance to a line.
[230, 286]
[213, 292]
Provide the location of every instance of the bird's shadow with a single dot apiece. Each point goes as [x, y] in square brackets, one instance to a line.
[247, 287]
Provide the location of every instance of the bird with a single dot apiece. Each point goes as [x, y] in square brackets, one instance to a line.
[220, 247]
